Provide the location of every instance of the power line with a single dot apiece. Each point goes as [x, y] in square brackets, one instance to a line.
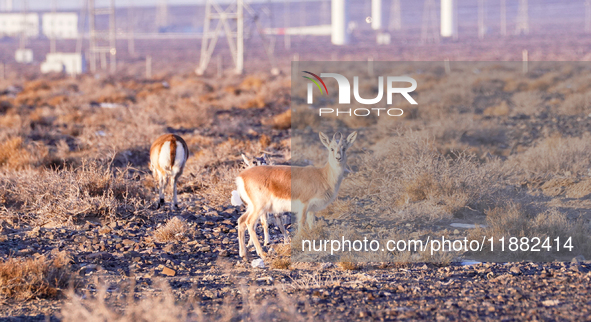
[522, 18]
[102, 42]
[429, 30]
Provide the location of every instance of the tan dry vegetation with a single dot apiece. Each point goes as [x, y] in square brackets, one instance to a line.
[27, 278]
[513, 220]
[41, 197]
[554, 156]
[176, 229]
[408, 170]
[165, 306]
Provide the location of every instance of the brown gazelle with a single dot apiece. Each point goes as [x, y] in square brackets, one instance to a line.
[255, 162]
[168, 156]
[302, 190]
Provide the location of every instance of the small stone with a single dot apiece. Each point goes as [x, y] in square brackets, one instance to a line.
[550, 302]
[168, 271]
[258, 263]
[515, 270]
[205, 249]
[128, 242]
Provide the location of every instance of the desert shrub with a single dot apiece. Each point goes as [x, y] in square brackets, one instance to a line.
[512, 220]
[408, 169]
[23, 279]
[165, 306]
[280, 121]
[69, 194]
[528, 103]
[500, 109]
[15, 153]
[576, 103]
[554, 155]
[176, 229]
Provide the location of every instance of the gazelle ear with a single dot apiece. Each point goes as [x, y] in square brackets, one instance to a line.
[324, 139]
[245, 160]
[351, 138]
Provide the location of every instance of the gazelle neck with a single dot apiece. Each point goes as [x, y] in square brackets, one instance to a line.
[334, 173]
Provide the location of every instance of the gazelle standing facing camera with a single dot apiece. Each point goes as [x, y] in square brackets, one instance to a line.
[275, 189]
[168, 156]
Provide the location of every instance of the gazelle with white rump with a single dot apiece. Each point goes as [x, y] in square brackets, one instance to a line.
[236, 201]
[302, 190]
[168, 156]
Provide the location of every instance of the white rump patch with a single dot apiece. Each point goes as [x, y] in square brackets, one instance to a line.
[179, 159]
[164, 156]
[236, 200]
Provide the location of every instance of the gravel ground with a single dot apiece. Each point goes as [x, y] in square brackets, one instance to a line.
[206, 266]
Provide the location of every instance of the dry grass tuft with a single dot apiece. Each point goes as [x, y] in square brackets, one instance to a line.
[176, 229]
[24, 279]
[281, 121]
[280, 263]
[555, 155]
[66, 195]
[513, 220]
[575, 103]
[12, 153]
[349, 266]
[165, 306]
[501, 109]
[408, 170]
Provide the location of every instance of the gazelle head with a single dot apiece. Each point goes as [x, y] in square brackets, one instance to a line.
[255, 162]
[337, 147]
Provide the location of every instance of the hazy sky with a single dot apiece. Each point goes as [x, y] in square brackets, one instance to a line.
[76, 4]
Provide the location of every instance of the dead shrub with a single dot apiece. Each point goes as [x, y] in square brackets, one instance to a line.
[500, 109]
[24, 279]
[407, 169]
[280, 263]
[554, 155]
[511, 220]
[251, 83]
[528, 103]
[66, 195]
[176, 229]
[165, 306]
[281, 121]
[257, 102]
[16, 154]
[576, 103]
[349, 266]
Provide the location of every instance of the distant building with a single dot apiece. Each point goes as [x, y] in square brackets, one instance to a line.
[62, 25]
[13, 24]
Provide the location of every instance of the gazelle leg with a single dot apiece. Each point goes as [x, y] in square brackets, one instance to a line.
[161, 185]
[175, 203]
[242, 232]
[302, 219]
[265, 224]
[250, 223]
[310, 219]
[250, 242]
[279, 222]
